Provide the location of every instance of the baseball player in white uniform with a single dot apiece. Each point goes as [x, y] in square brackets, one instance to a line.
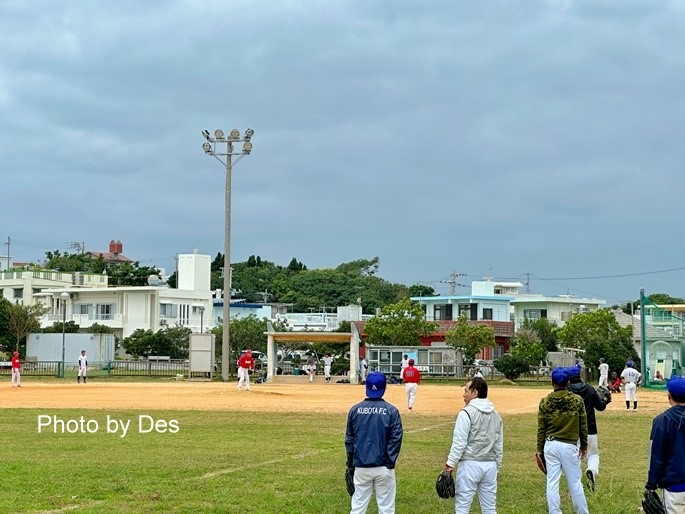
[603, 374]
[82, 366]
[631, 378]
[327, 363]
[363, 370]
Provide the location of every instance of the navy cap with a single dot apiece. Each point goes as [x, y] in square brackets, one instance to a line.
[676, 385]
[629, 363]
[573, 371]
[559, 376]
[375, 385]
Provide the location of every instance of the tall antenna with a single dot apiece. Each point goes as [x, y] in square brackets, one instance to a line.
[527, 282]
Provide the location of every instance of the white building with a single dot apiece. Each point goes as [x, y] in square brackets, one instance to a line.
[556, 309]
[126, 309]
[22, 286]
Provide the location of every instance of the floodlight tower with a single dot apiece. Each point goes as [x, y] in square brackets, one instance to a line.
[214, 146]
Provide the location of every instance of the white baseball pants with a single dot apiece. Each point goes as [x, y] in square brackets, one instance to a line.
[564, 457]
[243, 378]
[631, 392]
[674, 503]
[16, 377]
[410, 389]
[592, 453]
[603, 381]
[476, 477]
[380, 479]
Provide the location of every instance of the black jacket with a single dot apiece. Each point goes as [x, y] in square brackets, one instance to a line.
[592, 402]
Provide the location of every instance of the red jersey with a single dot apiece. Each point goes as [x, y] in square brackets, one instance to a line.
[15, 362]
[246, 361]
[411, 375]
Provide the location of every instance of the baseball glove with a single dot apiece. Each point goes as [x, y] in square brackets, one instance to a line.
[604, 394]
[444, 485]
[349, 480]
[651, 503]
[540, 461]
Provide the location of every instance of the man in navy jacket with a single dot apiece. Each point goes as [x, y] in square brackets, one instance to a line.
[667, 449]
[373, 440]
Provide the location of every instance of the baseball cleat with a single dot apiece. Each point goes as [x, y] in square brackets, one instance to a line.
[590, 479]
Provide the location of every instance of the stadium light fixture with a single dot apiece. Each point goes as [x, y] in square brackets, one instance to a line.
[228, 158]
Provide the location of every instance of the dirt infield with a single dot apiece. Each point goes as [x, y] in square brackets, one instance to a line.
[300, 396]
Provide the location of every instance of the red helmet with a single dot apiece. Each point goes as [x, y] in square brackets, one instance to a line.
[411, 362]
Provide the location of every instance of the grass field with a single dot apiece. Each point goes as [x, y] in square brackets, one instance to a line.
[260, 461]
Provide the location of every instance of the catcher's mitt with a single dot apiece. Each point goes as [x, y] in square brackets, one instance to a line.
[604, 394]
[540, 461]
[651, 503]
[349, 480]
[444, 485]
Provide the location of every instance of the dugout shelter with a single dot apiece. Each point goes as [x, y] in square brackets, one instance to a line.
[274, 338]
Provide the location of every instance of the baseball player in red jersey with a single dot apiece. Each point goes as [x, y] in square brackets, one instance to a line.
[16, 370]
[412, 378]
[245, 365]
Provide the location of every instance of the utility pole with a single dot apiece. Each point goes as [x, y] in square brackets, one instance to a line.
[79, 247]
[527, 282]
[453, 282]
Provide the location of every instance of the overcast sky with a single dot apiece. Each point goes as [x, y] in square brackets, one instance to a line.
[538, 141]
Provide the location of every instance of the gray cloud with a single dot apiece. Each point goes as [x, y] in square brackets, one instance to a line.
[490, 138]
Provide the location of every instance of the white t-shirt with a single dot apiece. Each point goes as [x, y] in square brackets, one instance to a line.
[327, 361]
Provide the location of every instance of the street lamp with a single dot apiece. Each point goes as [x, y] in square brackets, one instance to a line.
[65, 297]
[213, 146]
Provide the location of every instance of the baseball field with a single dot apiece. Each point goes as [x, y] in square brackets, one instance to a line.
[193, 447]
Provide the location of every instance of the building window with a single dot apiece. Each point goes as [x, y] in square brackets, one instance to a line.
[443, 312]
[534, 314]
[105, 310]
[185, 314]
[487, 314]
[470, 310]
[168, 310]
[18, 293]
[82, 308]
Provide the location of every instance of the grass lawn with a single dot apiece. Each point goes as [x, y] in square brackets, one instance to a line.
[265, 462]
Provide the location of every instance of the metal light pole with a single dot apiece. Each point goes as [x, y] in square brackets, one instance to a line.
[202, 312]
[210, 148]
[64, 296]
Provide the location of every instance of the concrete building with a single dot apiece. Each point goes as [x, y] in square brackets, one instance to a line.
[126, 309]
[22, 286]
[556, 309]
